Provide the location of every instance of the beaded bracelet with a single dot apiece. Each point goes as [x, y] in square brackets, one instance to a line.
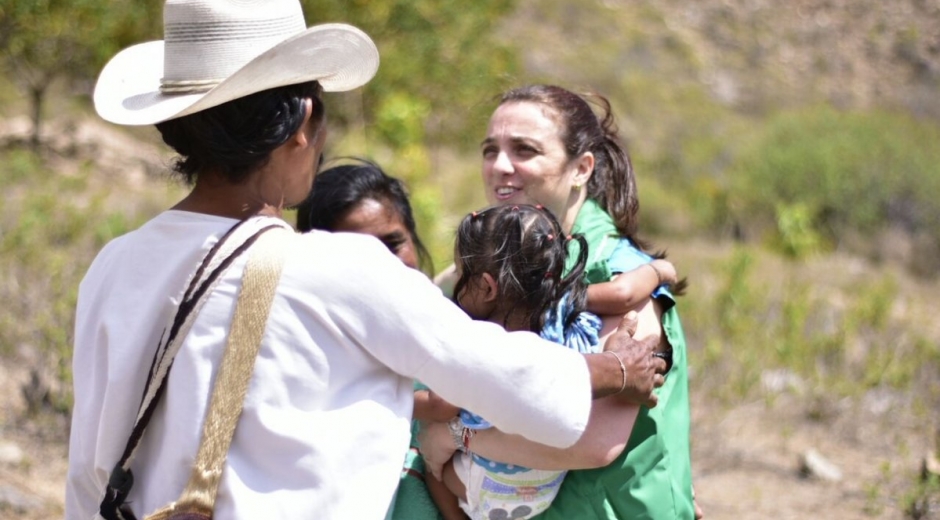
[467, 435]
[623, 370]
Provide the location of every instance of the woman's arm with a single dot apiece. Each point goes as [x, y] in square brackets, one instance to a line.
[627, 290]
[603, 441]
[648, 317]
[607, 432]
[609, 424]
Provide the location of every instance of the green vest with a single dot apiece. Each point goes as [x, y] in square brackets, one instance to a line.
[652, 478]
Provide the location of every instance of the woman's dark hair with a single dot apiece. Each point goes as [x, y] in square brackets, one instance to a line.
[339, 189]
[236, 138]
[613, 183]
[524, 249]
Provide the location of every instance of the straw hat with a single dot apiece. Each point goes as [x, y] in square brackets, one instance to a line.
[219, 50]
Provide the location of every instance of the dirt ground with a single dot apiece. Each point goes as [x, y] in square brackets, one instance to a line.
[747, 462]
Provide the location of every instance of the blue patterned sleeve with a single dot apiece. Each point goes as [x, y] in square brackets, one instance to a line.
[582, 335]
[472, 420]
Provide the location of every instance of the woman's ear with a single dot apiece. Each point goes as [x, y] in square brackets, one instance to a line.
[584, 168]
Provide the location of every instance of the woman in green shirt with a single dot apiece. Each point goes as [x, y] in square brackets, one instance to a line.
[545, 145]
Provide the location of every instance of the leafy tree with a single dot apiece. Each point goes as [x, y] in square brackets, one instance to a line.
[47, 40]
[440, 61]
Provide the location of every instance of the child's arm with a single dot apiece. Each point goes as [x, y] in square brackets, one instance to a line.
[429, 407]
[626, 290]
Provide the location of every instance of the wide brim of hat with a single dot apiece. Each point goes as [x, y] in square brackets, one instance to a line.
[339, 56]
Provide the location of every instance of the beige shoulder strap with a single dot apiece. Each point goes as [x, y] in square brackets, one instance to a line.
[259, 283]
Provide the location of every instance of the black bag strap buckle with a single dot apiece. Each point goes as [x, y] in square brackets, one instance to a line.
[119, 486]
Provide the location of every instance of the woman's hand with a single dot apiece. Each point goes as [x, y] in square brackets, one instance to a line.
[436, 446]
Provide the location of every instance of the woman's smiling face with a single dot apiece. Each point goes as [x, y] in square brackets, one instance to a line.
[525, 162]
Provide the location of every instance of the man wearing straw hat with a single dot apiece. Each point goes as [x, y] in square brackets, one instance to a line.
[323, 421]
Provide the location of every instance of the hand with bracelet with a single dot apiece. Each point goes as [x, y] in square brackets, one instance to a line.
[640, 371]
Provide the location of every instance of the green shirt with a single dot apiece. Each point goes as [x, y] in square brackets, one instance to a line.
[652, 478]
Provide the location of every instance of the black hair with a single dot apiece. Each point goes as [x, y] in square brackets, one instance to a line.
[524, 249]
[613, 183]
[236, 138]
[337, 190]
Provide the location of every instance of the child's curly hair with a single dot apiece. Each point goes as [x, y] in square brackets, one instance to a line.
[524, 248]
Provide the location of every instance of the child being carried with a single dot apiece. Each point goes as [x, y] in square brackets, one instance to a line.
[510, 263]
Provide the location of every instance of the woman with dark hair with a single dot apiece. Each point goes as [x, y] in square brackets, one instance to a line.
[235, 90]
[546, 145]
[361, 198]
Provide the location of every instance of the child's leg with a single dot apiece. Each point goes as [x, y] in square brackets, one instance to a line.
[445, 493]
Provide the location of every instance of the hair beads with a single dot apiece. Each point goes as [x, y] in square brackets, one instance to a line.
[516, 245]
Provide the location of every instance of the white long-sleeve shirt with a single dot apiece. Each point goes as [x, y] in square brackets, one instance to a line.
[325, 425]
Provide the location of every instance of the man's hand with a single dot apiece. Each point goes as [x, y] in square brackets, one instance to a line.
[644, 371]
[437, 446]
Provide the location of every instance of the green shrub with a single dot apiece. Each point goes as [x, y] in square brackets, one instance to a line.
[842, 335]
[821, 173]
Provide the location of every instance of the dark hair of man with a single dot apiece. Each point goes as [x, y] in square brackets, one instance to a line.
[524, 249]
[236, 138]
[337, 190]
